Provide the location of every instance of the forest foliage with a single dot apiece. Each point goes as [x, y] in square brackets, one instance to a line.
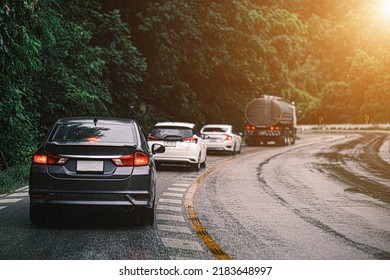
[198, 61]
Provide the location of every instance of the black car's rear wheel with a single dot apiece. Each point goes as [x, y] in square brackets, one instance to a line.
[147, 216]
[38, 215]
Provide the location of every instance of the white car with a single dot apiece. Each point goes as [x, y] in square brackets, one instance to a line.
[183, 143]
[221, 137]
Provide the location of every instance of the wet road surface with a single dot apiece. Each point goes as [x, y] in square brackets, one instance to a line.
[327, 197]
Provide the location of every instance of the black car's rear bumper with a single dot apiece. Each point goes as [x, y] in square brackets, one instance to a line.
[138, 189]
[142, 199]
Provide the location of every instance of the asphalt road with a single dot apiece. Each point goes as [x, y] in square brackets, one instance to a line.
[327, 197]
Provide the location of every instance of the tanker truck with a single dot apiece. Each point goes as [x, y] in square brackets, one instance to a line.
[270, 119]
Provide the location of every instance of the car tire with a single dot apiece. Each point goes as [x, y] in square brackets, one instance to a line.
[281, 141]
[196, 166]
[234, 151]
[55, 217]
[147, 216]
[292, 138]
[38, 216]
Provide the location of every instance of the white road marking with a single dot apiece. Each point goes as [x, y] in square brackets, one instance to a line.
[176, 190]
[175, 201]
[19, 194]
[173, 194]
[10, 200]
[22, 189]
[173, 228]
[170, 218]
[181, 185]
[169, 208]
[181, 244]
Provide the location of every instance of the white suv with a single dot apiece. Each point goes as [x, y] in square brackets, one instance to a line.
[222, 137]
[183, 143]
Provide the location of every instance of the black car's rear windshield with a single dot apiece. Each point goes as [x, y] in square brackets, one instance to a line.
[164, 132]
[215, 129]
[88, 132]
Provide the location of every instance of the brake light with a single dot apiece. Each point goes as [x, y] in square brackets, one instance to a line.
[92, 139]
[40, 159]
[275, 128]
[191, 140]
[139, 159]
[228, 137]
[49, 159]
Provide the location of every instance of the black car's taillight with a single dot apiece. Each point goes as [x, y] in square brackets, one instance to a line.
[48, 159]
[40, 159]
[138, 159]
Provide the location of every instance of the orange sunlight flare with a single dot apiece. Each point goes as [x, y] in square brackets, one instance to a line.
[384, 8]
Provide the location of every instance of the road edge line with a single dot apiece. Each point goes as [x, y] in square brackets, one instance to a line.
[197, 225]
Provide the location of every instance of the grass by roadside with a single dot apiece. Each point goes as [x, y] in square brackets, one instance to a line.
[14, 178]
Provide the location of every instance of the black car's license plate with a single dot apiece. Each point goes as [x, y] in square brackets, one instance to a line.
[90, 166]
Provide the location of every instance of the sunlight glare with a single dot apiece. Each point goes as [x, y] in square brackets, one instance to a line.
[385, 8]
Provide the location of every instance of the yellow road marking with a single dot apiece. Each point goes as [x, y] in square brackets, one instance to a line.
[206, 238]
[200, 230]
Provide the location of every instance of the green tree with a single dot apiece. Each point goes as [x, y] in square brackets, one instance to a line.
[58, 59]
[19, 58]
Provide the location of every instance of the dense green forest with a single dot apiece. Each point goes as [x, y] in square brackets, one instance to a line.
[196, 60]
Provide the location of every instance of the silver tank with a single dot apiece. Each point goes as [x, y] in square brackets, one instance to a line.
[267, 111]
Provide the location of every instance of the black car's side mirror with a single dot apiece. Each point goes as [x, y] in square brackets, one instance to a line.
[158, 149]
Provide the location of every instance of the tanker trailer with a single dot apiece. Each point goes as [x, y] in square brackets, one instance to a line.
[270, 119]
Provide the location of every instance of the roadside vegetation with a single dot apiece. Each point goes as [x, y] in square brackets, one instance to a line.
[14, 178]
[198, 61]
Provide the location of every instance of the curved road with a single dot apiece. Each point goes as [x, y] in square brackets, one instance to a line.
[327, 197]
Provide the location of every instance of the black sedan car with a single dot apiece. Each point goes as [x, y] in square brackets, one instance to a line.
[93, 162]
